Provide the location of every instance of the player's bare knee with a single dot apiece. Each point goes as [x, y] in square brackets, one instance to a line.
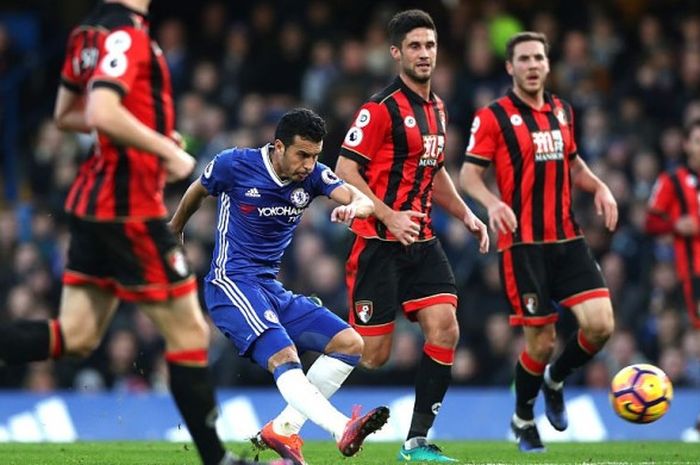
[541, 354]
[450, 335]
[609, 328]
[599, 331]
[372, 363]
[347, 342]
[78, 341]
[80, 346]
[372, 360]
[447, 337]
[547, 347]
[286, 355]
[193, 333]
[202, 332]
[440, 329]
[444, 332]
[542, 348]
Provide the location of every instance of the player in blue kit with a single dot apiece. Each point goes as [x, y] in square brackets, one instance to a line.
[262, 196]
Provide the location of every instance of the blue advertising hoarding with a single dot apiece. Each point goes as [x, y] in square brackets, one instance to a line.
[478, 414]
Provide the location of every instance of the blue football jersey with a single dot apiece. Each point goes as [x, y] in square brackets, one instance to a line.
[257, 211]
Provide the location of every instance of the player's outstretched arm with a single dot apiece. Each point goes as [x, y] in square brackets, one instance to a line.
[353, 204]
[401, 223]
[605, 203]
[106, 113]
[69, 111]
[349, 171]
[501, 216]
[189, 203]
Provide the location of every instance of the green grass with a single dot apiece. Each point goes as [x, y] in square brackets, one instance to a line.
[325, 453]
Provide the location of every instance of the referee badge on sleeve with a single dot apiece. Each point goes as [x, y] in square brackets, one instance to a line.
[364, 310]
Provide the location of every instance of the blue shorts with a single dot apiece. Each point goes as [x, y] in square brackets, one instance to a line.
[244, 308]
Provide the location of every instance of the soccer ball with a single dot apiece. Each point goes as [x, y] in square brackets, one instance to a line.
[641, 393]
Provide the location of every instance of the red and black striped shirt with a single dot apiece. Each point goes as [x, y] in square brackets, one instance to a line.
[677, 194]
[112, 49]
[398, 138]
[531, 151]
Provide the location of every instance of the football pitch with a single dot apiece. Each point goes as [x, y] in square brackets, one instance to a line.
[325, 453]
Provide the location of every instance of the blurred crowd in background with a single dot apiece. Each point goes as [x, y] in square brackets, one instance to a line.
[630, 68]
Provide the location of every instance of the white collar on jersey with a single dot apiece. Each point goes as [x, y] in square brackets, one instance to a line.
[265, 152]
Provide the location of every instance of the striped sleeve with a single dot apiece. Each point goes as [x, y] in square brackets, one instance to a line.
[220, 174]
[573, 148]
[123, 52]
[483, 138]
[367, 133]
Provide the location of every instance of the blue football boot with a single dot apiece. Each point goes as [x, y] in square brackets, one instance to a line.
[554, 406]
[528, 438]
[423, 452]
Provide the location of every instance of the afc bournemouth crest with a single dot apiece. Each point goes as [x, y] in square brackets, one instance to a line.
[364, 310]
[531, 303]
[561, 115]
[177, 262]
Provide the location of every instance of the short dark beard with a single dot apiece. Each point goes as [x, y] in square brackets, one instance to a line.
[414, 77]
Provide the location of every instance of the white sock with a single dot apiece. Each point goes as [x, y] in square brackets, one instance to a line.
[412, 443]
[228, 459]
[304, 397]
[520, 423]
[550, 382]
[327, 374]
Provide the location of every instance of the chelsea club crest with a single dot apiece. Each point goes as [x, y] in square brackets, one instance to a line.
[300, 198]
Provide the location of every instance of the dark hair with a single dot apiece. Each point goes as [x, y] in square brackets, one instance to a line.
[692, 124]
[526, 36]
[405, 21]
[300, 122]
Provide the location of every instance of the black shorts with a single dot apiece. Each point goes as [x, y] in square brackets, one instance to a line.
[535, 275]
[135, 260]
[383, 276]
